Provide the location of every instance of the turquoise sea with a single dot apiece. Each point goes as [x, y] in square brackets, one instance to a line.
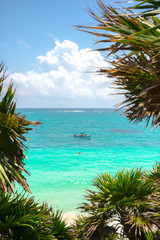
[59, 174]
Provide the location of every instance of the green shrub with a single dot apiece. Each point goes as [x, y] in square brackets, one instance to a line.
[22, 218]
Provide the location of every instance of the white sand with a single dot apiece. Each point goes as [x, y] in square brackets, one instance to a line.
[70, 217]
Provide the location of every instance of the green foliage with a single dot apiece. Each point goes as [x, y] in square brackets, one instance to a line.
[128, 199]
[23, 218]
[136, 68]
[149, 7]
[112, 236]
[59, 228]
[13, 126]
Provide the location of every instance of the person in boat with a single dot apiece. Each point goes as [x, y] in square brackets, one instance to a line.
[82, 135]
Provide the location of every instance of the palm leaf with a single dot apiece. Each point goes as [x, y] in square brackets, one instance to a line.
[13, 126]
[150, 7]
[136, 70]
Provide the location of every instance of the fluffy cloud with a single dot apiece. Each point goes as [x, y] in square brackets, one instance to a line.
[66, 78]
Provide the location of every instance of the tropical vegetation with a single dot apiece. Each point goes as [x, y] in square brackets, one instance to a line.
[13, 126]
[126, 205]
[133, 41]
[130, 200]
[22, 218]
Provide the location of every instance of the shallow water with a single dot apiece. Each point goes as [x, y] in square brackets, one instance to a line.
[59, 174]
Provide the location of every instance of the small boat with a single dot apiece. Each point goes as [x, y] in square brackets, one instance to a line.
[82, 135]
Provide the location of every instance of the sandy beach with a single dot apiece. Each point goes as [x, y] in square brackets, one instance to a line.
[70, 217]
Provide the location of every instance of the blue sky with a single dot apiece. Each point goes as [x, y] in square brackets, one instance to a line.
[42, 52]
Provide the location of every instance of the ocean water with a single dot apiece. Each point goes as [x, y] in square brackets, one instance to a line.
[62, 167]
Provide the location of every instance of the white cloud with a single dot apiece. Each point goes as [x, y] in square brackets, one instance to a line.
[66, 80]
[23, 43]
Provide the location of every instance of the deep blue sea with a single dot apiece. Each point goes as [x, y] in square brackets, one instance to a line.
[59, 174]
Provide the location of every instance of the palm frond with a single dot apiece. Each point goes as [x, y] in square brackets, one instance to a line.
[136, 69]
[124, 198]
[13, 126]
[23, 218]
[149, 8]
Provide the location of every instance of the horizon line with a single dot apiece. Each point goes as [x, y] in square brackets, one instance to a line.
[65, 108]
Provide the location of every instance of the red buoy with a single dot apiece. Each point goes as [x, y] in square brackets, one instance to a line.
[79, 152]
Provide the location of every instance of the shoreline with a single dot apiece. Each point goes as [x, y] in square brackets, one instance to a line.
[70, 217]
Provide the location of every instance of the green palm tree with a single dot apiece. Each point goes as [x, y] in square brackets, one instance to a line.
[154, 178]
[149, 8]
[13, 126]
[22, 218]
[59, 227]
[136, 68]
[123, 199]
[130, 198]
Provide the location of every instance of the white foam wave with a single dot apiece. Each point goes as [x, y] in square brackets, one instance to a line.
[70, 111]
